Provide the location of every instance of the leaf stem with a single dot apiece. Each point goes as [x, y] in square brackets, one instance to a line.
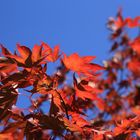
[66, 110]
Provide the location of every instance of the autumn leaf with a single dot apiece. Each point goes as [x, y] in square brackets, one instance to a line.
[13, 126]
[7, 136]
[135, 44]
[134, 66]
[36, 53]
[132, 23]
[24, 51]
[123, 127]
[82, 92]
[25, 57]
[8, 98]
[79, 120]
[81, 64]
[87, 92]
[72, 127]
[136, 110]
[4, 50]
[121, 22]
[138, 132]
[52, 54]
[7, 66]
[98, 136]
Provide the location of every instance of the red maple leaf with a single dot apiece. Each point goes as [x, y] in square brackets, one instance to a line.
[52, 55]
[81, 64]
[135, 44]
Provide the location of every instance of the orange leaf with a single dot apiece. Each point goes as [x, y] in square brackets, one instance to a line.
[36, 53]
[138, 132]
[131, 23]
[52, 55]
[24, 51]
[135, 44]
[136, 110]
[5, 51]
[81, 64]
[88, 59]
[82, 93]
[119, 22]
[6, 136]
[122, 127]
[134, 66]
[72, 127]
[79, 120]
[8, 68]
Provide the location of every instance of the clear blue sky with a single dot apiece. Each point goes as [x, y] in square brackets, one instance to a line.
[77, 25]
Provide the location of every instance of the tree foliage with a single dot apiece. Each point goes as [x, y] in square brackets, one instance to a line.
[100, 102]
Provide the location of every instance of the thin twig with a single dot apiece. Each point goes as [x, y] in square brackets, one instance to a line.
[66, 110]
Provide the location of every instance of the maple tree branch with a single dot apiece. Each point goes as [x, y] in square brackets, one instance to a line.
[66, 110]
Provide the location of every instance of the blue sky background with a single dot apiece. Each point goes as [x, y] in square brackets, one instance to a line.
[76, 25]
